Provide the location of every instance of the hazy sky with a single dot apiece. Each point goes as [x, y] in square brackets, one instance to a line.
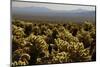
[52, 6]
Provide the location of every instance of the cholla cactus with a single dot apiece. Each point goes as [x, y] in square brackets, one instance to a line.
[85, 37]
[18, 31]
[40, 44]
[79, 53]
[67, 36]
[47, 43]
[48, 32]
[61, 57]
[88, 26]
[74, 49]
[61, 44]
[20, 57]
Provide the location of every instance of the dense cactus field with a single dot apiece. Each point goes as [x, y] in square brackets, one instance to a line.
[52, 43]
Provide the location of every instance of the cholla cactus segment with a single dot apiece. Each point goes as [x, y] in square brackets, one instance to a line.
[26, 56]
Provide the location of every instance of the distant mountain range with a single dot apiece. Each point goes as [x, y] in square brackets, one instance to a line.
[41, 12]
